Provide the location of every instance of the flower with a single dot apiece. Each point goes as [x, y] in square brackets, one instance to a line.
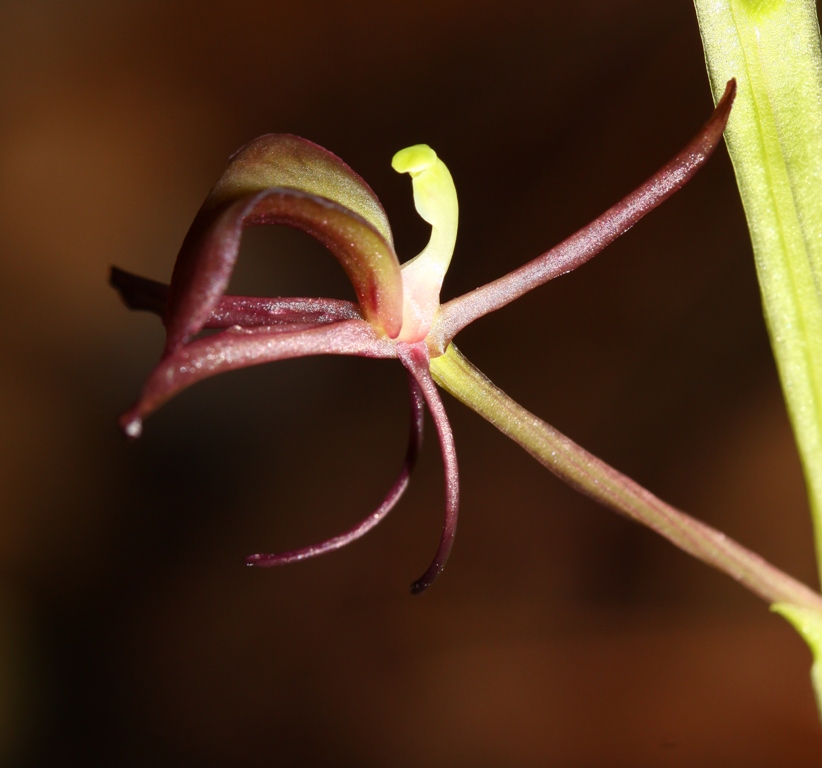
[283, 179]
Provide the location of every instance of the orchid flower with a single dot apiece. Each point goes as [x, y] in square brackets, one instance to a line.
[283, 179]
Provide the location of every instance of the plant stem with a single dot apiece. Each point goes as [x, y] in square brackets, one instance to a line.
[606, 485]
[774, 137]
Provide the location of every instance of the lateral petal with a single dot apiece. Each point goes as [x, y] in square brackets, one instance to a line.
[389, 502]
[142, 293]
[238, 348]
[415, 358]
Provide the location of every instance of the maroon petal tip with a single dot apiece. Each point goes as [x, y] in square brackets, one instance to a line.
[420, 585]
[131, 424]
[139, 292]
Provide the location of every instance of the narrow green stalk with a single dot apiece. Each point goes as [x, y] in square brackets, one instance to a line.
[774, 137]
[603, 483]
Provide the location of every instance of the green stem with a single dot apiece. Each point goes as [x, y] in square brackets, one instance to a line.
[603, 483]
[774, 137]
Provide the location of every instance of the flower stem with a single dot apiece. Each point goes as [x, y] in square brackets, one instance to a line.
[606, 485]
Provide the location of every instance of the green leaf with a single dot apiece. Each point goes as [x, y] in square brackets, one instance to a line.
[809, 624]
[774, 137]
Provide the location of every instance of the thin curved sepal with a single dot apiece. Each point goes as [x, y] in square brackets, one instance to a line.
[238, 348]
[142, 293]
[285, 180]
[416, 359]
[593, 238]
[389, 502]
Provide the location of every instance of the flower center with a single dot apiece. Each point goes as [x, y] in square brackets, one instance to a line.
[435, 199]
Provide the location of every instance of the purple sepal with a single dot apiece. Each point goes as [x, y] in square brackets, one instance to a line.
[391, 498]
[240, 347]
[415, 358]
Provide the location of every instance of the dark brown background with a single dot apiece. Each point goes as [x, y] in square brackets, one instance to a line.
[559, 635]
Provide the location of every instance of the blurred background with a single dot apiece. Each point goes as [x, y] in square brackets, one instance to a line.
[559, 635]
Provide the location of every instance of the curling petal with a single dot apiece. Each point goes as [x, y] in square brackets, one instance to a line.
[283, 160]
[323, 192]
[392, 497]
[208, 257]
[238, 348]
[415, 358]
